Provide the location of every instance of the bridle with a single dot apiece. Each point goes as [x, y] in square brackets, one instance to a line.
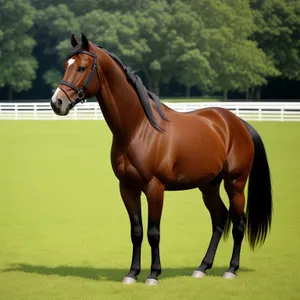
[81, 91]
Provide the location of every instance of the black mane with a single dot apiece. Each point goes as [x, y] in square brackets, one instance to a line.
[137, 84]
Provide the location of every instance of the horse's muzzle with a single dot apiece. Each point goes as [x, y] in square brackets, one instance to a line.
[58, 108]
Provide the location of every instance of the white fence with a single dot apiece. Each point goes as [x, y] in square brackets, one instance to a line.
[251, 111]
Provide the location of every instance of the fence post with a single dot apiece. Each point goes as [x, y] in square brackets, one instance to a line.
[95, 112]
[16, 111]
[259, 113]
[75, 113]
[34, 111]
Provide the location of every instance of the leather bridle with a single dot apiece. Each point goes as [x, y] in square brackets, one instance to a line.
[81, 91]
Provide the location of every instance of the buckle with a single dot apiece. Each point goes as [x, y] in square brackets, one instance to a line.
[81, 95]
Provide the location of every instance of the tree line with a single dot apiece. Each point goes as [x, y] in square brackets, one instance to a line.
[214, 45]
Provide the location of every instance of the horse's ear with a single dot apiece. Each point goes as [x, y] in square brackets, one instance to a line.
[74, 42]
[85, 42]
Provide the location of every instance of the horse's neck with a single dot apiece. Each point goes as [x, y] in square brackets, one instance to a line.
[118, 100]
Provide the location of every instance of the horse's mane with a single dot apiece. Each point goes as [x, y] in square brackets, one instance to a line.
[137, 84]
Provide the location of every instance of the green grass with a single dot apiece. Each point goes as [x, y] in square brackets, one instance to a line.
[64, 231]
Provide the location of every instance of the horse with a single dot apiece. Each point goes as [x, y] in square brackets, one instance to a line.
[156, 149]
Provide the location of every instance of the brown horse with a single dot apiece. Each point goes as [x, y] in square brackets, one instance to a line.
[156, 148]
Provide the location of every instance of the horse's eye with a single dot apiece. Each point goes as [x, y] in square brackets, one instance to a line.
[81, 69]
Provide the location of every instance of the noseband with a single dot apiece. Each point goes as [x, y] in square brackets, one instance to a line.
[81, 91]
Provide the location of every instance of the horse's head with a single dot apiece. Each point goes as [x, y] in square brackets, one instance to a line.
[81, 79]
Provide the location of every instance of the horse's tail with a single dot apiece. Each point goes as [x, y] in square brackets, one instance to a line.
[259, 205]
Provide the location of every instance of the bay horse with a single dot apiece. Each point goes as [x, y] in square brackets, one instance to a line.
[155, 149]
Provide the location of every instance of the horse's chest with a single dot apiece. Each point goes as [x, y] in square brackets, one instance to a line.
[126, 172]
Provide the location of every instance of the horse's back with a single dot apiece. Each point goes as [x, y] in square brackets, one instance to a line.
[193, 148]
[208, 141]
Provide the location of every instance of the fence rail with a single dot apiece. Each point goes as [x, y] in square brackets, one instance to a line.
[251, 111]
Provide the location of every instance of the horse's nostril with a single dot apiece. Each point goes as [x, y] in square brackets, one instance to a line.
[59, 102]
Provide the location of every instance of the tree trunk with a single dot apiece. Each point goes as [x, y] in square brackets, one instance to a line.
[10, 93]
[187, 91]
[225, 95]
[156, 87]
[258, 91]
[156, 90]
[252, 93]
[247, 94]
[148, 77]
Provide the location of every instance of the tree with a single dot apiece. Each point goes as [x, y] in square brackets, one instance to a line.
[195, 70]
[238, 63]
[79, 6]
[277, 33]
[123, 34]
[53, 25]
[188, 50]
[52, 77]
[153, 25]
[17, 64]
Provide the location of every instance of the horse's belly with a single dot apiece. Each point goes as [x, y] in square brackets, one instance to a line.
[192, 173]
[180, 185]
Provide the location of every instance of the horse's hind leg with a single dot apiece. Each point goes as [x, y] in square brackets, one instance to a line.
[235, 191]
[219, 217]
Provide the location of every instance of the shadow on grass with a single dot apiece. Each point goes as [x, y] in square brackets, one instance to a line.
[109, 274]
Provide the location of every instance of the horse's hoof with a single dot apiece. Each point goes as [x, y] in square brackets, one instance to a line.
[198, 274]
[151, 281]
[229, 275]
[128, 280]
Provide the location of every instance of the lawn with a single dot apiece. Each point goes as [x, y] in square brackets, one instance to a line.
[64, 231]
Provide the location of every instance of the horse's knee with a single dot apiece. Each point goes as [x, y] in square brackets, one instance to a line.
[153, 236]
[137, 234]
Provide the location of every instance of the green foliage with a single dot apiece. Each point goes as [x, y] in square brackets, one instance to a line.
[216, 45]
[52, 77]
[277, 33]
[53, 25]
[56, 23]
[80, 6]
[237, 62]
[188, 49]
[17, 64]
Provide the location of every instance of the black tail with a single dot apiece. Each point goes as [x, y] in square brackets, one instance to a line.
[259, 204]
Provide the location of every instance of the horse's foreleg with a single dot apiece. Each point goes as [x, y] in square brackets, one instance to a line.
[132, 200]
[154, 192]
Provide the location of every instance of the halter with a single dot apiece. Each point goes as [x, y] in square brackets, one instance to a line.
[81, 91]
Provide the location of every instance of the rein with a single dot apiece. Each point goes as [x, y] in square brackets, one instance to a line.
[81, 91]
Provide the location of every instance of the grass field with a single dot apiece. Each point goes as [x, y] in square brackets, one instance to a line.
[64, 232]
